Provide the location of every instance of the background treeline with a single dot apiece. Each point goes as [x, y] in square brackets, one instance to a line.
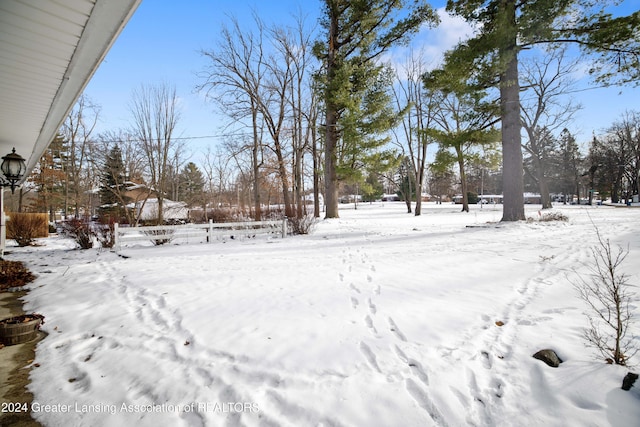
[393, 127]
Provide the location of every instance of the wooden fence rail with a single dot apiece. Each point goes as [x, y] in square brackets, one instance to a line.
[207, 232]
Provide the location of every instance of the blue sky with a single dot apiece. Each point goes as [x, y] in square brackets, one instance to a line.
[162, 43]
[163, 40]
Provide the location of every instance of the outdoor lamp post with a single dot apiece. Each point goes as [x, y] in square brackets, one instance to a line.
[13, 168]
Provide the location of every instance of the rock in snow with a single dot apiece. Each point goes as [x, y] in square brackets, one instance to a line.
[628, 381]
[549, 357]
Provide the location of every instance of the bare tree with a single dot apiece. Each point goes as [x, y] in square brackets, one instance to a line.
[294, 49]
[218, 176]
[545, 110]
[609, 297]
[178, 160]
[618, 157]
[239, 152]
[233, 80]
[155, 115]
[419, 107]
[274, 106]
[77, 129]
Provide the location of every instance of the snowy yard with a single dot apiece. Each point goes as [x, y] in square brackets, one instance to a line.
[379, 318]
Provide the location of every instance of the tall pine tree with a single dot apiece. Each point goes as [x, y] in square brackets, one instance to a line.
[356, 33]
[507, 27]
[191, 181]
[50, 177]
[113, 197]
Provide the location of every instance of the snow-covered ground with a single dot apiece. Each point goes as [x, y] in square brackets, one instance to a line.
[379, 318]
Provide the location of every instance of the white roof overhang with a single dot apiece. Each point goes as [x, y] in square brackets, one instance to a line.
[48, 52]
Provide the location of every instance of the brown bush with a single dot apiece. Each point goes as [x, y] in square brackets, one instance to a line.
[25, 227]
[80, 231]
[14, 274]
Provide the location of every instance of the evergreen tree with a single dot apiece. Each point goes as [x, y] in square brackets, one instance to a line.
[364, 127]
[571, 161]
[506, 28]
[541, 154]
[113, 185]
[462, 123]
[357, 32]
[191, 189]
[372, 189]
[49, 177]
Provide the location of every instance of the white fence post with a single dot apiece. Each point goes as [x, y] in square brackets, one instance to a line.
[116, 236]
[197, 231]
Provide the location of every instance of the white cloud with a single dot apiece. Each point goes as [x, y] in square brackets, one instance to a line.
[432, 43]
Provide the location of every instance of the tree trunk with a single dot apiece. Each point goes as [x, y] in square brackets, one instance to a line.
[513, 182]
[463, 179]
[330, 173]
[331, 123]
[299, 196]
[407, 200]
[420, 172]
[284, 179]
[316, 174]
[543, 185]
[160, 209]
[418, 209]
[256, 165]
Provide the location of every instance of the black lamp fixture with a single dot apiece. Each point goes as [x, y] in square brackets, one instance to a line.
[13, 168]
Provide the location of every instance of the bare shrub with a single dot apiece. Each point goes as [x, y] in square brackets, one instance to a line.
[14, 274]
[163, 236]
[553, 216]
[302, 225]
[80, 231]
[106, 234]
[24, 228]
[608, 295]
[549, 217]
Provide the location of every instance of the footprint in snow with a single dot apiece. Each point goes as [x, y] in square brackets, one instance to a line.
[369, 322]
[372, 307]
[396, 331]
[369, 356]
[422, 399]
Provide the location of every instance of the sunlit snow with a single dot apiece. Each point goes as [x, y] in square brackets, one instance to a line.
[379, 318]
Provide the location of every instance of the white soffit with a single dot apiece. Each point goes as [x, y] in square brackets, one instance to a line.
[49, 49]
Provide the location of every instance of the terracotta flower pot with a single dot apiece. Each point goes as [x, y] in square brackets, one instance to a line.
[20, 329]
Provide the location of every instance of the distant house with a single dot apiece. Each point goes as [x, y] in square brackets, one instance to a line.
[171, 211]
[529, 198]
[532, 199]
[136, 192]
[391, 198]
[488, 198]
